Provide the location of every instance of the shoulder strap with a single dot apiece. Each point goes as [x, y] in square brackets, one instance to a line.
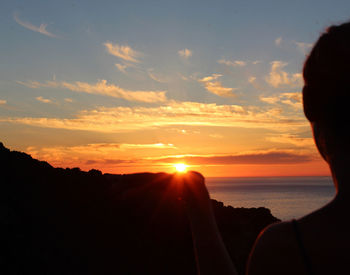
[302, 249]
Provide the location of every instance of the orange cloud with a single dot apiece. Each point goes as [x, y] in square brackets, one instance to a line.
[121, 119]
[96, 153]
[278, 41]
[41, 29]
[143, 146]
[292, 139]
[117, 158]
[234, 63]
[215, 87]
[122, 51]
[101, 88]
[157, 77]
[263, 158]
[43, 100]
[121, 67]
[185, 53]
[303, 47]
[291, 99]
[280, 78]
[36, 84]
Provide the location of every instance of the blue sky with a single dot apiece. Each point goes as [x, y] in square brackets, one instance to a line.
[223, 75]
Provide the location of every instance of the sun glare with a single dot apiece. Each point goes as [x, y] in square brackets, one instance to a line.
[180, 167]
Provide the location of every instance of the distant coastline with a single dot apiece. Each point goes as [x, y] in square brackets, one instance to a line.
[286, 197]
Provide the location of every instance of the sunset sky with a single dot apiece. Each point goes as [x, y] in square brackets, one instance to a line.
[135, 86]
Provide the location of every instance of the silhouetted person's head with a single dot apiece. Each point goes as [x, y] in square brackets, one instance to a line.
[326, 94]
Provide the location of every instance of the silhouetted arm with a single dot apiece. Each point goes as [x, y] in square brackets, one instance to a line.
[210, 251]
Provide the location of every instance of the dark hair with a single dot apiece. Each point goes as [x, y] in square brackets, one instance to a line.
[326, 94]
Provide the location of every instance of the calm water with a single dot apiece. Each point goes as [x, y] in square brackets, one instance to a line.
[286, 197]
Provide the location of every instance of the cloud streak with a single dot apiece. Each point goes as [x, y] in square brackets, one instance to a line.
[94, 154]
[235, 63]
[105, 149]
[148, 146]
[293, 139]
[41, 29]
[121, 67]
[43, 100]
[101, 88]
[121, 119]
[157, 77]
[303, 47]
[124, 52]
[278, 41]
[214, 86]
[110, 156]
[290, 99]
[185, 53]
[280, 78]
[264, 158]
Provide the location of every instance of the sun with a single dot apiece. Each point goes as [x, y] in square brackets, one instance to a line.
[180, 167]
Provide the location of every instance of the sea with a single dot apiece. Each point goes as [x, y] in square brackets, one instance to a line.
[286, 197]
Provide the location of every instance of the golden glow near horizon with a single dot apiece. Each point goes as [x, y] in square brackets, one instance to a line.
[180, 167]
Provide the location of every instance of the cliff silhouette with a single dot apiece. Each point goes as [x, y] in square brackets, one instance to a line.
[66, 221]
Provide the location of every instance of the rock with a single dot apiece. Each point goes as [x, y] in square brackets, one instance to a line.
[67, 221]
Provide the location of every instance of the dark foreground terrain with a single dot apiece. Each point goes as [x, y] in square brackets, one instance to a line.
[66, 221]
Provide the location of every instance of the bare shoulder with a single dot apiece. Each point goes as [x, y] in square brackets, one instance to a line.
[275, 251]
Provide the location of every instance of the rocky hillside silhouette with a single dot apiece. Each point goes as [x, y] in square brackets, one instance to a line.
[66, 221]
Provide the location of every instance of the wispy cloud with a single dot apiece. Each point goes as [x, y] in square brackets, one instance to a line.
[214, 86]
[124, 52]
[292, 139]
[291, 99]
[101, 88]
[36, 84]
[121, 119]
[270, 99]
[303, 47]
[144, 146]
[3, 102]
[262, 157]
[185, 53]
[233, 63]
[41, 29]
[68, 100]
[121, 67]
[106, 156]
[279, 78]
[251, 79]
[94, 154]
[43, 100]
[278, 41]
[72, 156]
[157, 77]
[216, 136]
[102, 149]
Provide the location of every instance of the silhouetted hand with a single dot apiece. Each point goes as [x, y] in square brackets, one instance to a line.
[211, 254]
[196, 197]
